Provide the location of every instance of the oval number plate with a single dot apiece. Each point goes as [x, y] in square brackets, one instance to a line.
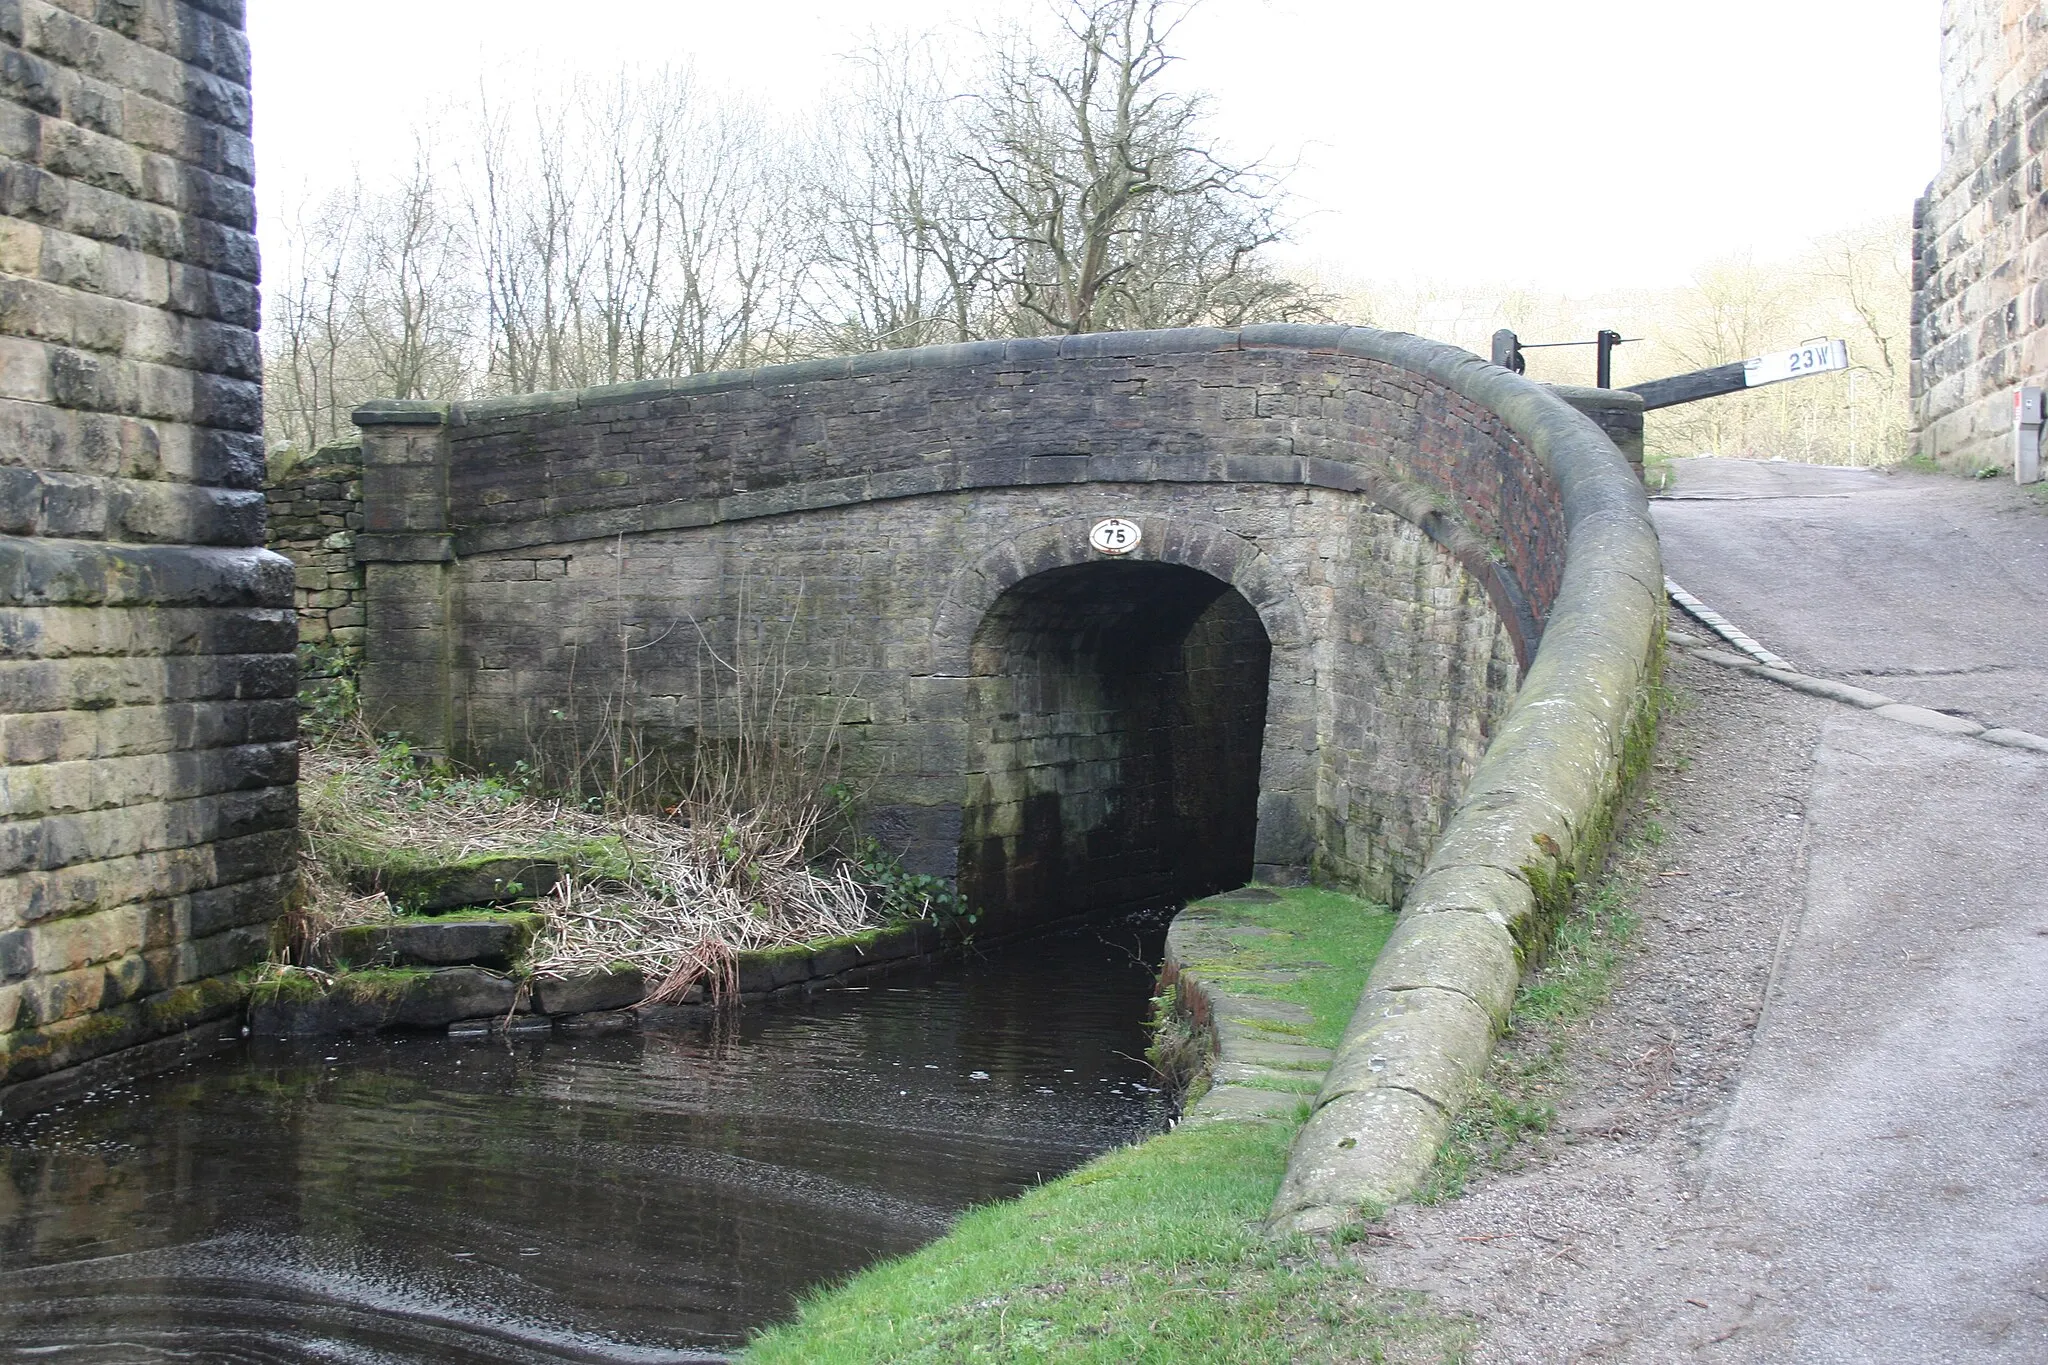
[1115, 536]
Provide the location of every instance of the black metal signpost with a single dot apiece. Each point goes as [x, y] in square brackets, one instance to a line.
[1823, 356]
[1508, 348]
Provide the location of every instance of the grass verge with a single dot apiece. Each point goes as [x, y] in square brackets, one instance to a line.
[1152, 1253]
[1517, 1098]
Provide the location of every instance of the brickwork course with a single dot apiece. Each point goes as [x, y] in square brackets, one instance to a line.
[1980, 236]
[147, 714]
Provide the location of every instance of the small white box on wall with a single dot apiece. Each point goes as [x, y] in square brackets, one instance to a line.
[2027, 418]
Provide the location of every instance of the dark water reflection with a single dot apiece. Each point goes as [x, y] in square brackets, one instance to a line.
[644, 1197]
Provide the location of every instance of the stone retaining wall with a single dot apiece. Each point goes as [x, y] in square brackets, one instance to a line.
[316, 509]
[1980, 236]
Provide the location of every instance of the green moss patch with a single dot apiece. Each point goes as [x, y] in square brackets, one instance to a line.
[369, 984]
[1310, 947]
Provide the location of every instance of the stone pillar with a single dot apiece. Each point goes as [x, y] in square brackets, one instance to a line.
[408, 558]
[1617, 412]
[1980, 238]
[148, 727]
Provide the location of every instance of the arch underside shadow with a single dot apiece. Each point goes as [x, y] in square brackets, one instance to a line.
[1117, 722]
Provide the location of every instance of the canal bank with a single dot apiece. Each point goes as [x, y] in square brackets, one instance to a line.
[634, 1197]
[1159, 1251]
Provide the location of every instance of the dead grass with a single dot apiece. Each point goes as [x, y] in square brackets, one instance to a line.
[676, 893]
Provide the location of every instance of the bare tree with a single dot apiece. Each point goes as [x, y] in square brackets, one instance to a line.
[636, 230]
[642, 227]
[412, 313]
[900, 246]
[308, 326]
[1115, 208]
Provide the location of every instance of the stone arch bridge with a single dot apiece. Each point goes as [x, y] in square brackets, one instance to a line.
[1347, 560]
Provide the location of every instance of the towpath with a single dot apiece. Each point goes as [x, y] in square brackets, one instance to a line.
[1812, 1124]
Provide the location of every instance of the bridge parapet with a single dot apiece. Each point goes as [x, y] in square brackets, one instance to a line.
[1397, 513]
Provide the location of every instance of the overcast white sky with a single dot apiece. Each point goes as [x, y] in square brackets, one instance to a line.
[1563, 144]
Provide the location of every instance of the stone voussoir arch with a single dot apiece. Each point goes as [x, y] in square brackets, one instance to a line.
[1289, 751]
[1215, 550]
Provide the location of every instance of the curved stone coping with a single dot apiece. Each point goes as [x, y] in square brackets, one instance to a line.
[1534, 818]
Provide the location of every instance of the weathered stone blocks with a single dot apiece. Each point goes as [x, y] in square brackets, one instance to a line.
[1980, 239]
[146, 720]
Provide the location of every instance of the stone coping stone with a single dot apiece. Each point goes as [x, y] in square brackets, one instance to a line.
[1533, 820]
[423, 1000]
[620, 988]
[494, 943]
[475, 882]
[455, 997]
[787, 973]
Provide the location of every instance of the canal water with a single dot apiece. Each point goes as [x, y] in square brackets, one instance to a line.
[638, 1197]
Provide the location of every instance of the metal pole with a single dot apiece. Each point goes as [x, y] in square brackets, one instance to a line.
[1603, 365]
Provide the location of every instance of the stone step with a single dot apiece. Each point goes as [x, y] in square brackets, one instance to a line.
[495, 943]
[480, 881]
[307, 1006]
[589, 992]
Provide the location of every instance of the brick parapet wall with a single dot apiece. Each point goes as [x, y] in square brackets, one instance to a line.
[316, 510]
[1980, 236]
[147, 716]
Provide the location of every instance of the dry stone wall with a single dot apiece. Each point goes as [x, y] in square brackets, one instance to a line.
[1980, 236]
[316, 508]
[147, 719]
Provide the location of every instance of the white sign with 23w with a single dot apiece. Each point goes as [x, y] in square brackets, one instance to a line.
[1814, 357]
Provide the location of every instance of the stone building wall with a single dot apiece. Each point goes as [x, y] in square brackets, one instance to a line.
[147, 715]
[1980, 236]
[316, 509]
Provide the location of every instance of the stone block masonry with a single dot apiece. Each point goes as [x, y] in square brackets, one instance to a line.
[316, 509]
[147, 716]
[539, 568]
[1980, 236]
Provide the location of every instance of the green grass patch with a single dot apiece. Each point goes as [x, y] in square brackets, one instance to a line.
[1148, 1254]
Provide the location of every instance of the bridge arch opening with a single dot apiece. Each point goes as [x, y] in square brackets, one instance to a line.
[1117, 718]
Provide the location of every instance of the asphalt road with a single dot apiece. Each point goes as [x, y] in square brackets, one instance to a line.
[1889, 1132]
[1925, 587]
[1811, 1124]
